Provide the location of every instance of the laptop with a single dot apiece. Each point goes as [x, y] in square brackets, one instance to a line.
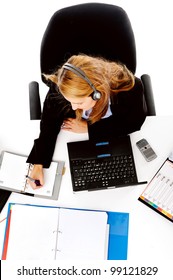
[102, 165]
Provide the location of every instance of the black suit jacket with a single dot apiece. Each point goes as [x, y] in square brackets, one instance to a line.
[128, 114]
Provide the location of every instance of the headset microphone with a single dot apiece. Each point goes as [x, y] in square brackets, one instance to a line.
[96, 95]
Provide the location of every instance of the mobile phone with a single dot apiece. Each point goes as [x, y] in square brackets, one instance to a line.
[146, 150]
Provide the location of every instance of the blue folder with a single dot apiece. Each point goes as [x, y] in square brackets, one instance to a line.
[118, 233]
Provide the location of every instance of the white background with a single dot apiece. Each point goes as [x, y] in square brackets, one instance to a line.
[22, 24]
[164, 270]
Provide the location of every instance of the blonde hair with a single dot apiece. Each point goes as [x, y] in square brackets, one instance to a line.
[107, 77]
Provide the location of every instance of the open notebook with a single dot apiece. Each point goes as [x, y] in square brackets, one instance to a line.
[13, 171]
[48, 233]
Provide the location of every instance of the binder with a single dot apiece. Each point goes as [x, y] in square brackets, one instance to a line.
[13, 172]
[158, 194]
[113, 235]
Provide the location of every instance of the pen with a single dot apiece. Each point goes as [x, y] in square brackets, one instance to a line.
[37, 182]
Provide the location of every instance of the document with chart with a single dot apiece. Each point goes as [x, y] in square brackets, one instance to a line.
[159, 192]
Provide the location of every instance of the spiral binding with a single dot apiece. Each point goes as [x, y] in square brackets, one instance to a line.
[28, 170]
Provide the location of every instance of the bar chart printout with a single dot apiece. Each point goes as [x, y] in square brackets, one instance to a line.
[159, 192]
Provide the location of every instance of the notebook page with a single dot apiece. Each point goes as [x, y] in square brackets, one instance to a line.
[82, 234]
[13, 169]
[49, 181]
[13, 175]
[33, 233]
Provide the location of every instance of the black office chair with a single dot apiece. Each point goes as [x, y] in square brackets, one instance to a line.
[92, 28]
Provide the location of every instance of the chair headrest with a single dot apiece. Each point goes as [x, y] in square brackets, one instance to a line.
[91, 28]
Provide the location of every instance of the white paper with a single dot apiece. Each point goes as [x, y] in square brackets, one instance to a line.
[13, 175]
[47, 233]
[49, 181]
[82, 235]
[13, 171]
[32, 233]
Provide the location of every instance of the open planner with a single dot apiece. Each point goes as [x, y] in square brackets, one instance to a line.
[159, 192]
[13, 172]
[50, 233]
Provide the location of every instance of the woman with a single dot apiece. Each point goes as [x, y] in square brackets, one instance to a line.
[87, 94]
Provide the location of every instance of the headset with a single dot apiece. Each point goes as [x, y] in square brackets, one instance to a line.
[96, 95]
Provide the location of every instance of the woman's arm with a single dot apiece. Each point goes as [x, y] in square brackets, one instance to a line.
[54, 111]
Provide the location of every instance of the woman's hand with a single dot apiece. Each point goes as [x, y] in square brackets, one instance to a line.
[37, 174]
[75, 125]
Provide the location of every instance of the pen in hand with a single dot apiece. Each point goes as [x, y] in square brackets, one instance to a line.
[37, 182]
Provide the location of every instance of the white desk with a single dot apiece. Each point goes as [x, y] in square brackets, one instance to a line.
[150, 234]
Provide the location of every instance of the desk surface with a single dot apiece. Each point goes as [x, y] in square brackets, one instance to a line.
[150, 234]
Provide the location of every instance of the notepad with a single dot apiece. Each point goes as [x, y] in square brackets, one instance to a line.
[158, 194]
[13, 171]
[49, 233]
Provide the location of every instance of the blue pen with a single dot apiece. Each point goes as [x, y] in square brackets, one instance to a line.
[37, 182]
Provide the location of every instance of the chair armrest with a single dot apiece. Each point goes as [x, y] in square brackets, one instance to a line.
[148, 92]
[4, 195]
[34, 101]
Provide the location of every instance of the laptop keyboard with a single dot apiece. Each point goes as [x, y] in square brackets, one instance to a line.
[103, 172]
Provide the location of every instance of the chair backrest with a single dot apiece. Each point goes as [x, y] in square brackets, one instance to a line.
[91, 28]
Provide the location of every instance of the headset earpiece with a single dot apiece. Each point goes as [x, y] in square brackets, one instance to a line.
[96, 95]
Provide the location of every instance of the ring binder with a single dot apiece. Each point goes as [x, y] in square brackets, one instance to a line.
[13, 171]
[90, 230]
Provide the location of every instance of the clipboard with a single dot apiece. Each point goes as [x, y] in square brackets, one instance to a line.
[13, 171]
[118, 223]
[158, 194]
